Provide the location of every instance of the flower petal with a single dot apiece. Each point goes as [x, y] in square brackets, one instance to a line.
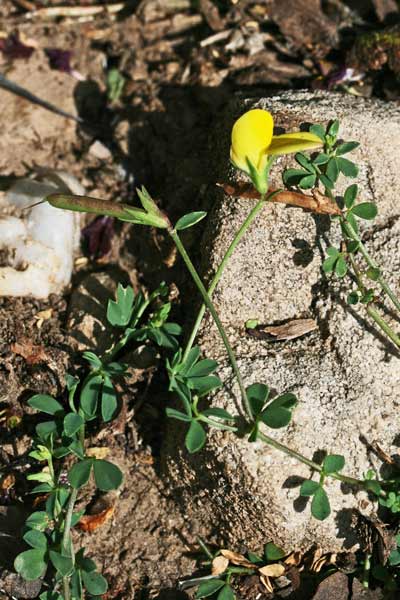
[251, 136]
[294, 142]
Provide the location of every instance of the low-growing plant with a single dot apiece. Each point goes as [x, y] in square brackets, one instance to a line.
[192, 376]
[92, 398]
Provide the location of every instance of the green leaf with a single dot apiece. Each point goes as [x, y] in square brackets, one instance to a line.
[318, 130]
[63, 564]
[321, 159]
[350, 195]
[365, 210]
[273, 552]
[46, 429]
[308, 488]
[257, 394]
[329, 264]
[341, 267]
[80, 473]
[293, 176]
[94, 583]
[352, 246]
[279, 412]
[353, 298]
[76, 448]
[50, 596]
[254, 558]
[38, 520]
[109, 401]
[333, 463]
[72, 423]
[368, 296]
[31, 564]
[115, 84]
[192, 359]
[333, 128]
[320, 507]
[219, 413]
[148, 203]
[374, 487]
[36, 539]
[332, 170]
[93, 359]
[202, 368]
[195, 437]
[208, 588]
[226, 593]
[45, 404]
[347, 167]
[373, 273]
[84, 562]
[90, 396]
[326, 181]
[332, 251]
[107, 476]
[204, 385]
[176, 414]
[305, 162]
[119, 311]
[190, 219]
[346, 147]
[394, 558]
[307, 182]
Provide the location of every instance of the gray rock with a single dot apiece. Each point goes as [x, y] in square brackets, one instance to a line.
[345, 373]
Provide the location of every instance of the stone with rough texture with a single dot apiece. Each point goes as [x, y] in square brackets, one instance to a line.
[346, 375]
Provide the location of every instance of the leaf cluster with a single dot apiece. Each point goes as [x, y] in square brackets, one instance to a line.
[320, 505]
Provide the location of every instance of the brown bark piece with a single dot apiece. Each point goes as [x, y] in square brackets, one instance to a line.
[305, 25]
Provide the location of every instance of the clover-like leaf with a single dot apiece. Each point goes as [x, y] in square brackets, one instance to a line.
[257, 394]
[273, 552]
[31, 564]
[279, 412]
[195, 437]
[320, 507]
[106, 475]
[308, 487]
[46, 404]
[333, 463]
[208, 588]
[365, 210]
[347, 167]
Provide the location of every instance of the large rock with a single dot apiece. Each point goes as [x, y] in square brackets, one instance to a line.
[345, 373]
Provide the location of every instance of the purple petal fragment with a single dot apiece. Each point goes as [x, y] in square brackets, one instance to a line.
[13, 48]
[97, 236]
[59, 59]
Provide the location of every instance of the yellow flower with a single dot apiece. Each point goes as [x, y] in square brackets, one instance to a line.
[253, 143]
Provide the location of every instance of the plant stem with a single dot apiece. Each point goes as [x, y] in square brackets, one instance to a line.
[199, 284]
[371, 263]
[306, 461]
[239, 234]
[373, 313]
[66, 540]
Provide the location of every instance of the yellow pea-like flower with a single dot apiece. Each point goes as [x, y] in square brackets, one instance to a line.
[253, 143]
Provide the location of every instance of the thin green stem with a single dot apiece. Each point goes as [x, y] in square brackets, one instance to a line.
[239, 234]
[306, 461]
[199, 284]
[371, 263]
[66, 540]
[373, 313]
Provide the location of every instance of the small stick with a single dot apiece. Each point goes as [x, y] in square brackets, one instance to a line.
[24, 4]
[74, 11]
[14, 88]
[317, 203]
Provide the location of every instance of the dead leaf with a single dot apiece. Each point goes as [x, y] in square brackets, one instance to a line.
[317, 203]
[33, 354]
[289, 331]
[294, 559]
[219, 565]
[275, 570]
[44, 314]
[90, 523]
[98, 452]
[7, 482]
[267, 584]
[305, 25]
[237, 559]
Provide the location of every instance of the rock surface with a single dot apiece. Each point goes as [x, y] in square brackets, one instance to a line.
[345, 373]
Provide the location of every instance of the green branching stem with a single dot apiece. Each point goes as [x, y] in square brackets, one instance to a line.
[370, 262]
[199, 284]
[239, 235]
[371, 310]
